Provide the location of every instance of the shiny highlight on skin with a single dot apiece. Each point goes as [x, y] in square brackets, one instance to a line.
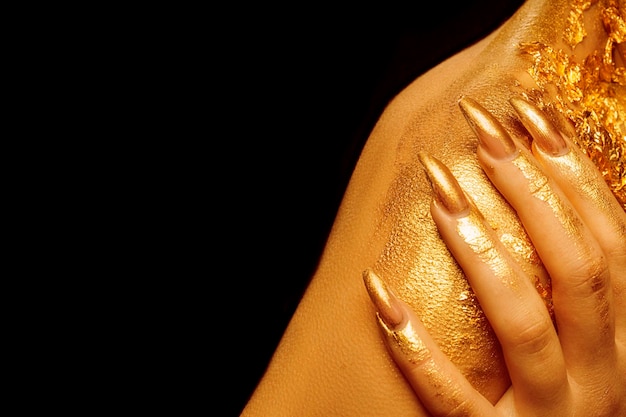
[576, 168]
[522, 248]
[539, 186]
[476, 235]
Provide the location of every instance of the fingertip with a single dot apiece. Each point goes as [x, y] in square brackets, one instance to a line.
[387, 304]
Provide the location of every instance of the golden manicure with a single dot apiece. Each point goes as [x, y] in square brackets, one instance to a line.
[491, 134]
[447, 190]
[391, 319]
[546, 135]
[387, 306]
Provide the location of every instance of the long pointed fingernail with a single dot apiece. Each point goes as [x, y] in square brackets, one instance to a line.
[546, 135]
[401, 333]
[386, 302]
[491, 134]
[447, 190]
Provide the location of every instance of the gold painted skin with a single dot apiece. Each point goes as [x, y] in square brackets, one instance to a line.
[331, 360]
[573, 164]
[408, 341]
[414, 259]
[589, 95]
[475, 234]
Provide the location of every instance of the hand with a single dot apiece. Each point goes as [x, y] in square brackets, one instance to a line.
[565, 353]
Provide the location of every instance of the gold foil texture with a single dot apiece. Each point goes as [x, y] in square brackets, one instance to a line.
[591, 94]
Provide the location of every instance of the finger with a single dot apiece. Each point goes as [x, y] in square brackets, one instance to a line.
[440, 386]
[506, 294]
[577, 265]
[584, 186]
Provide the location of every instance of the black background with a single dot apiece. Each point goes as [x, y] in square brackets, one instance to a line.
[308, 89]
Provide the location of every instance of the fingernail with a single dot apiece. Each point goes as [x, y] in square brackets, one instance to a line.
[387, 305]
[447, 190]
[491, 134]
[544, 133]
[401, 332]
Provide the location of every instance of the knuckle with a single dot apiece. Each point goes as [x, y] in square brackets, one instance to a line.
[462, 408]
[593, 276]
[617, 249]
[534, 338]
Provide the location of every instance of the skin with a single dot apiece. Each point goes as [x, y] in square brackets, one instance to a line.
[332, 359]
[579, 231]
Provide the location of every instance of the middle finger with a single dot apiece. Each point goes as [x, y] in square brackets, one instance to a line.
[505, 292]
